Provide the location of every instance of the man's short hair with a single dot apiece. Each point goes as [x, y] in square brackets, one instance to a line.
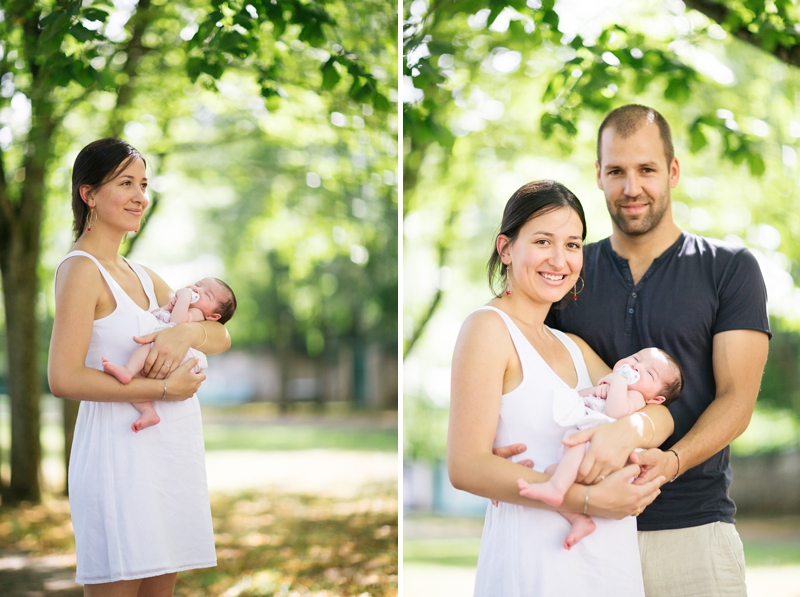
[627, 120]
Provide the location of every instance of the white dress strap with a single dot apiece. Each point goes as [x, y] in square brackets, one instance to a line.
[112, 283]
[147, 283]
[584, 381]
[116, 289]
[524, 349]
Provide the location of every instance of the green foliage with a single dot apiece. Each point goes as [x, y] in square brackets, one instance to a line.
[780, 386]
[242, 34]
[549, 100]
[425, 433]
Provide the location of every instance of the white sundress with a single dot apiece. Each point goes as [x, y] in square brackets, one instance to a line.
[521, 553]
[139, 501]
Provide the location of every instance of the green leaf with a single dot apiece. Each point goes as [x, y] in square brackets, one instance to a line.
[380, 102]
[330, 76]
[698, 139]
[95, 14]
[756, 164]
[81, 33]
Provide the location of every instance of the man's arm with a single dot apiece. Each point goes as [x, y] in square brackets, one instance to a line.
[739, 357]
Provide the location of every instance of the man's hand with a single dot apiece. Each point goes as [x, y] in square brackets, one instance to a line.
[610, 447]
[513, 450]
[508, 452]
[655, 463]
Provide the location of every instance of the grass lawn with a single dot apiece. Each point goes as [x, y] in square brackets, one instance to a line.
[297, 437]
[464, 551]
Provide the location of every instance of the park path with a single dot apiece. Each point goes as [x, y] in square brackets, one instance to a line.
[421, 580]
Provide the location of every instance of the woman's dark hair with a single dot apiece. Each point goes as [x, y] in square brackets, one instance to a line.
[95, 165]
[534, 199]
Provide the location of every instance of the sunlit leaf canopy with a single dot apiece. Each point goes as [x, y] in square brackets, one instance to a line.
[496, 94]
[270, 137]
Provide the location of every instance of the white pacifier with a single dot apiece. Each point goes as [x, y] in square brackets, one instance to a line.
[628, 373]
[195, 297]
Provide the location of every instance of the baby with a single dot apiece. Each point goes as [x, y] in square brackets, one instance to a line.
[210, 299]
[650, 376]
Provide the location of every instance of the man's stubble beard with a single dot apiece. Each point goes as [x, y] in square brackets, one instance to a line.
[641, 224]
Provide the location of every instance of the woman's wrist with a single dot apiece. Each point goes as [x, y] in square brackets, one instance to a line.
[204, 331]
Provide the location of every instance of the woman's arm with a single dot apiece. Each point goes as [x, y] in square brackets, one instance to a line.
[80, 290]
[484, 359]
[172, 344]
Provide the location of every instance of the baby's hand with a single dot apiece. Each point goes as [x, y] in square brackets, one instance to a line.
[612, 377]
[601, 391]
[171, 304]
[183, 293]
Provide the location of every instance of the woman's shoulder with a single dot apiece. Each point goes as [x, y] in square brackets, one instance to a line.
[78, 265]
[78, 274]
[484, 325]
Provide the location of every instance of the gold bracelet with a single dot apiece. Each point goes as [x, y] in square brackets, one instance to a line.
[164, 395]
[678, 471]
[586, 500]
[205, 331]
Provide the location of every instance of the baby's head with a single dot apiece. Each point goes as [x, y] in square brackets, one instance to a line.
[217, 301]
[660, 375]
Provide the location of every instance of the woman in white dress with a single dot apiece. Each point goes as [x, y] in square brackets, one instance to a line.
[508, 373]
[139, 502]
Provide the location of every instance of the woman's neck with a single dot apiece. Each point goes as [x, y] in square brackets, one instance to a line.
[524, 310]
[104, 246]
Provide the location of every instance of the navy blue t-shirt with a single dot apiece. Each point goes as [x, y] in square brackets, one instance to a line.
[697, 288]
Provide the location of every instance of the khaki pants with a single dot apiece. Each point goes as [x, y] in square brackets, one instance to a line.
[704, 561]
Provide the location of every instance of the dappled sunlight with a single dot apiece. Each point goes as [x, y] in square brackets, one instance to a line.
[266, 541]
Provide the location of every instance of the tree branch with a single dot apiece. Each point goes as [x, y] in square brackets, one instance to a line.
[719, 13]
[443, 249]
[141, 19]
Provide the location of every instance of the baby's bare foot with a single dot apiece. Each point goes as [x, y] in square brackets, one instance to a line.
[582, 526]
[147, 419]
[121, 373]
[544, 492]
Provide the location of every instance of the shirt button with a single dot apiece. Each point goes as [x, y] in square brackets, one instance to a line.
[633, 294]
[630, 310]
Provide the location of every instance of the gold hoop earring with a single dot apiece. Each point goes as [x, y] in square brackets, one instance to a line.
[575, 291]
[91, 219]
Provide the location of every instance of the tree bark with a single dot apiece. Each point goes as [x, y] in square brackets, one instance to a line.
[19, 255]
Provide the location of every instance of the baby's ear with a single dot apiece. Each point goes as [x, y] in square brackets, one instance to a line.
[213, 317]
[656, 400]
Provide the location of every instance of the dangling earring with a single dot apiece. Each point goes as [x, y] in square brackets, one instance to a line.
[91, 219]
[575, 291]
[507, 290]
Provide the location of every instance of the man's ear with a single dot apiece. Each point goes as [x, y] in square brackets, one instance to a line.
[213, 317]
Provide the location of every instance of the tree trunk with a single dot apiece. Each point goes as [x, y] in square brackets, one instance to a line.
[21, 289]
[19, 255]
